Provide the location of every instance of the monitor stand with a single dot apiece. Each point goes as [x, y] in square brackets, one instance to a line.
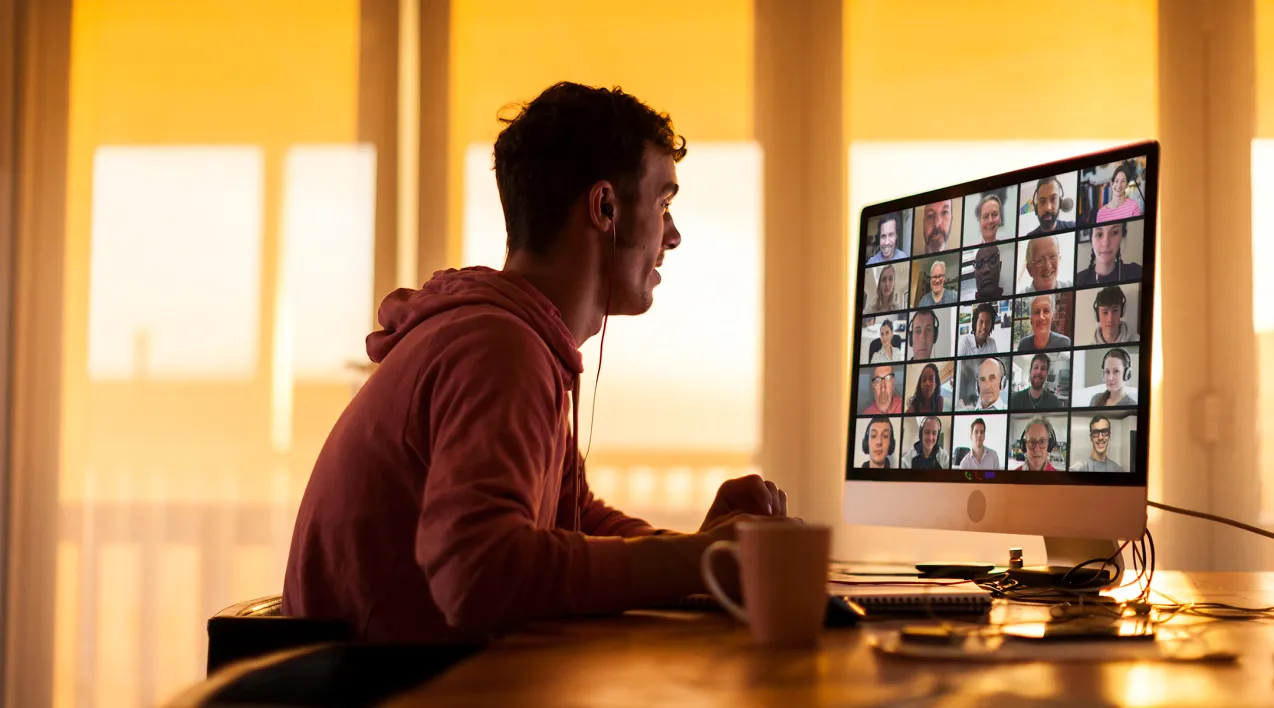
[1066, 553]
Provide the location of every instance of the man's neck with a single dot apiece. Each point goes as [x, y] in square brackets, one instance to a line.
[937, 296]
[1036, 392]
[978, 452]
[884, 406]
[1108, 336]
[1044, 343]
[569, 283]
[1098, 458]
[987, 406]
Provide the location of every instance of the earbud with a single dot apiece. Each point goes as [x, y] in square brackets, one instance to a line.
[608, 210]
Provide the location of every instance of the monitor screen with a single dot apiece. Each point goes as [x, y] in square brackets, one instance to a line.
[1002, 332]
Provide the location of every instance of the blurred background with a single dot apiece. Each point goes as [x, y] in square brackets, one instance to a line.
[202, 202]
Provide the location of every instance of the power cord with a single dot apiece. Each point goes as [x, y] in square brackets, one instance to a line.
[1212, 517]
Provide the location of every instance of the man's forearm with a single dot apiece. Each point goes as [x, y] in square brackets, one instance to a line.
[666, 567]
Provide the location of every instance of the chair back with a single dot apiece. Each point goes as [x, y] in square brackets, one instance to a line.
[258, 627]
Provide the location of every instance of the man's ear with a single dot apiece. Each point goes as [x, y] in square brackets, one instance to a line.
[602, 205]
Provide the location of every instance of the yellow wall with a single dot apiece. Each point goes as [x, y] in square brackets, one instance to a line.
[1265, 68]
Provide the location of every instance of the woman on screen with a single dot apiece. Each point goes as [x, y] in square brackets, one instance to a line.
[886, 352]
[888, 298]
[989, 213]
[1119, 206]
[1115, 371]
[926, 398]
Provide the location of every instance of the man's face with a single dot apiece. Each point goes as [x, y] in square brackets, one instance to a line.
[1042, 262]
[1106, 242]
[937, 226]
[937, 279]
[929, 436]
[1109, 318]
[1099, 433]
[988, 381]
[982, 328]
[888, 238]
[882, 386]
[878, 437]
[1041, 316]
[1039, 374]
[644, 230]
[1036, 447]
[1048, 201]
[923, 332]
[989, 220]
[979, 435]
[986, 269]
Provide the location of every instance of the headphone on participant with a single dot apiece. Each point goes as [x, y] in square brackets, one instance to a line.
[1052, 436]
[1122, 354]
[938, 445]
[1004, 371]
[867, 434]
[1064, 204]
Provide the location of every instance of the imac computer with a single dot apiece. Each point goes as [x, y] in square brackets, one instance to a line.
[1000, 369]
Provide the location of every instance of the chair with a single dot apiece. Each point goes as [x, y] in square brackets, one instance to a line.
[258, 627]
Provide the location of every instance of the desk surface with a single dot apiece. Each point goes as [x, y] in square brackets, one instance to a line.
[652, 658]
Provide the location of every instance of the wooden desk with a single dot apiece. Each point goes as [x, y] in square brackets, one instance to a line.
[653, 658]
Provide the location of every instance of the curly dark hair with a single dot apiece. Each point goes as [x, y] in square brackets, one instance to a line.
[560, 144]
[988, 310]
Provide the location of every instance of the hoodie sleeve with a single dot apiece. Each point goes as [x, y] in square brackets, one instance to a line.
[491, 402]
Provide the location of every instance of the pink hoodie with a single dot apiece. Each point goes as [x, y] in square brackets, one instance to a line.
[441, 506]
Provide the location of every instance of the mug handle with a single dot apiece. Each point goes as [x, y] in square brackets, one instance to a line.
[705, 567]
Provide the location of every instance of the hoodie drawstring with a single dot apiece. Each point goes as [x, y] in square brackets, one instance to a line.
[574, 446]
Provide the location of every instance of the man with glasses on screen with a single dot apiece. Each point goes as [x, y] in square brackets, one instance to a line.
[887, 231]
[887, 401]
[1099, 434]
[1048, 201]
[938, 293]
[1036, 439]
[986, 272]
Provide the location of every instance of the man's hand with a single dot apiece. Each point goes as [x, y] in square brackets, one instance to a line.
[745, 495]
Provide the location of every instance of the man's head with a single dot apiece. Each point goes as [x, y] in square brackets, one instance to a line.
[887, 230]
[880, 435]
[882, 386]
[1099, 434]
[930, 429]
[990, 375]
[937, 278]
[1048, 202]
[983, 323]
[1042, 262]
[1042, 316]
[585, 175]
[1040, 365]
[978, 432]
[923, 333]
[937, 225]
[1107, 240]
[1036, 438]
[990, 215]
[986, 269]
[1109, 307]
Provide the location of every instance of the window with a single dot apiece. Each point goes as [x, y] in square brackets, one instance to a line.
[1263, 247]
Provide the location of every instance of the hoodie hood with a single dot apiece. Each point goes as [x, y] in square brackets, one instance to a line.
[405, 308]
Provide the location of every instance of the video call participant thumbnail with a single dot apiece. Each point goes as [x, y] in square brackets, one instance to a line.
[992, 381]
[926, 394]
[990, 216]
[888, 232]
[880, 395]
[1119, 206]
[1038, 441]
[929, 451]
[979, 456]
[932, 288]
[886, 288]
[1116, 366]
[1048, 261]
[1106, 258]
[1098, 459]
[991, 280]
[978, 340]
[1041, 335]
[930, 334]
[937, 227]
[1035, 396]
[1108, 309]
[887, 347]
[1049, 201]
[878, 443]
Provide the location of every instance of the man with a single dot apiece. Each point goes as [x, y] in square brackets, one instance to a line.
[923, 334]
[1108, 307]
[927, 453]
[937, 294]
[986, 272]
[937, 226]
[886, 399]
[1035, 397]
[990, 383]
[454, 475]
[1042, 335]
[887, 231]
[979, 457]
[1107, 262]
[1047, 201]
[989, 211]
[879, 442]
[1099, 434]
[1036, 438]
[979, 340]
[1043, 261]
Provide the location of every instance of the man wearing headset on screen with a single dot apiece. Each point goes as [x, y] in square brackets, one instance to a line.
[978, 339]
[928, 452]
[1106, 264]
[979, 456]
[992, 380]
[923, 333]
[1035, 397]
[878, 443]
[1039, 440]
[888, 229]
[1099, 435]
[1049, 200]
[1043, 263]
[1108, 308]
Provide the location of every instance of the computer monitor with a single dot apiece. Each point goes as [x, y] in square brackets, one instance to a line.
[1000, 371]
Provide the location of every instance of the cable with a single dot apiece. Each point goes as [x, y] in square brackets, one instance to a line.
[1212, 517]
